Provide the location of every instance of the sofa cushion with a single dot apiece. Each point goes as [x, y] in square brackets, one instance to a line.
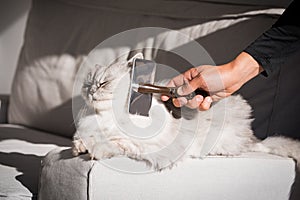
[21, 152]
[42, 91]
[59, 31]
[248, 177]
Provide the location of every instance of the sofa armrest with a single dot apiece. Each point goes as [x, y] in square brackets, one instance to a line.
[4, 101]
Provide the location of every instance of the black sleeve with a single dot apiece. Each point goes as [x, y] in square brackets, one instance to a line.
[274, 46]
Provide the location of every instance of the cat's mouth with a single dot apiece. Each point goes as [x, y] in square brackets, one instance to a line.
[93, 98]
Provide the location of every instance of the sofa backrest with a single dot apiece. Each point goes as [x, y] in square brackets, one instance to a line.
[60, 33]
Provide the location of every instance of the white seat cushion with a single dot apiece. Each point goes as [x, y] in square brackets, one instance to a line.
[252, 176]
[21, 151]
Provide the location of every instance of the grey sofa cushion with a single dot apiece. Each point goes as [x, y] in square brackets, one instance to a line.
[21, 152]
[248, 177]
[42, 91]
[58, 32]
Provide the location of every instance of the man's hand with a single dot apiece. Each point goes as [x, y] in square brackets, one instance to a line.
[220, 81]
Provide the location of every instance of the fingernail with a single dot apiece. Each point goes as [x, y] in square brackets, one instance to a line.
[164, 98]
[176, 103]
[182, 101]
[208, 99]
[199, 99]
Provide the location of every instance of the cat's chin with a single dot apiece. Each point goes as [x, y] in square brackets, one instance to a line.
[102, 105]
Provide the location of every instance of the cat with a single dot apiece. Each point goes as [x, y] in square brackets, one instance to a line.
[100, 134]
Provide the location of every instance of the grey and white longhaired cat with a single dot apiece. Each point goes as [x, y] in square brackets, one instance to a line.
[103, 135]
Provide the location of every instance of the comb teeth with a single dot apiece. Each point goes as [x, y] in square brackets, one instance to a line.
[143, 71]
[135, 87]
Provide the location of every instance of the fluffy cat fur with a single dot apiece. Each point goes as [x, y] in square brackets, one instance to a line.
[98, 134]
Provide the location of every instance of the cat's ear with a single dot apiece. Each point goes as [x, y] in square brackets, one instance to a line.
[136, 56]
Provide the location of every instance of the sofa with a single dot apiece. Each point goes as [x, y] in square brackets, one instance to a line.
[38, 119]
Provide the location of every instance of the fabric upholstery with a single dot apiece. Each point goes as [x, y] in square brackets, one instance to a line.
[248, 177]
[42, 92]
[4, 101]
[21, 152]
[58, 33]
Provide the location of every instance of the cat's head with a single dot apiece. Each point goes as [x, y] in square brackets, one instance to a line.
[101, 82]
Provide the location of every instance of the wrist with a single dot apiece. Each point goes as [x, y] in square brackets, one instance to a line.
[246, 61]
[239, 71]
[244, 67]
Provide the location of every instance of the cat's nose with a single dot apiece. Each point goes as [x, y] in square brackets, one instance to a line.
[93, 89]
[95, 96]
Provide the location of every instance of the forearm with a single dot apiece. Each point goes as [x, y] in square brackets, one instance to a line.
[239, 71]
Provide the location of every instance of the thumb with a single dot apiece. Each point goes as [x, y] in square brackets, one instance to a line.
[189, 86]
[164, 97]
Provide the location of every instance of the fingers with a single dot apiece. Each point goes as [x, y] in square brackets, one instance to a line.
[191, 74]
[179, 102]
[164, 98]
[188, 82]
[184, 89]
[205, 104]
[197, 102]
[193, 103]
[176, 81]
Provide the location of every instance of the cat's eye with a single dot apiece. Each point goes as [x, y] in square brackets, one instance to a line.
[102, 84]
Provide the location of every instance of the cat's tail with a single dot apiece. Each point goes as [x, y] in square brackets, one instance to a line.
[282, 146]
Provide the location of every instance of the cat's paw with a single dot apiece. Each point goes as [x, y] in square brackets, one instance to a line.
[102, 150]
[78, 147]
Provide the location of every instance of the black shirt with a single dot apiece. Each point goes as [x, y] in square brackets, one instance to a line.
[275, 46]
